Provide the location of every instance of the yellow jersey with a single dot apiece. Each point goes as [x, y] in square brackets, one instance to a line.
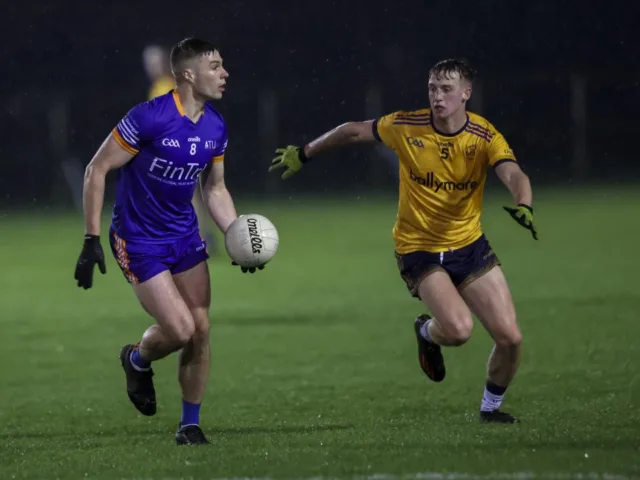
[161, 86]
[442, 178]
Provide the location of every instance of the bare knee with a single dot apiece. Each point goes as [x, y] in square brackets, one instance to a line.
[201, 330]
[198, 345]
[452, 316]
[201, 324]
[457, 328]
[182, 330]
[510, 338]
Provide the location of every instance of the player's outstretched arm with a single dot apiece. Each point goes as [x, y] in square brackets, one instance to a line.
[519, 185]
[216, 196]
[293, 157]
[110, 155]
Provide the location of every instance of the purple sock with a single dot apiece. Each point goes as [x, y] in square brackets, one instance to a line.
[138, 361]
[190, 413]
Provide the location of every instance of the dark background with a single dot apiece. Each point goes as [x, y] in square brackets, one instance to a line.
[558, 79]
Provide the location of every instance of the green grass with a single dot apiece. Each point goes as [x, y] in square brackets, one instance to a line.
[315, 370]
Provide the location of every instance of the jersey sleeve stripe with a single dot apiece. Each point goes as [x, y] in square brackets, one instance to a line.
[123, 143]
[480, 128]
[218, 158]
[128, 132]
[413, 115]
[127, 123]
[503, 160]
[374, 130]
[482, 135]
[412, 122]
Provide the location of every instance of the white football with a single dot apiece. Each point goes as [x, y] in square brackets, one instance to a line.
[251, 240]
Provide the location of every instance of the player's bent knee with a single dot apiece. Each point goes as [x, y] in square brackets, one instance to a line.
[458, 329]
[462, 333]
[184, 335]
[182, 331]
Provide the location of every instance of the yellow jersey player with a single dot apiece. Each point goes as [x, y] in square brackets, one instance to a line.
[442, 254]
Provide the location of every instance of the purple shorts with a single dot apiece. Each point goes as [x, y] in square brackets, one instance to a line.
[463, 265]
[141, 261]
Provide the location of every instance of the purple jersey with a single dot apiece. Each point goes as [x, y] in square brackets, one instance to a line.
[155, 189]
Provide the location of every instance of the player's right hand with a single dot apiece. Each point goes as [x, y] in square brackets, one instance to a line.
[292, 158]
[248, 269]
[90, 255]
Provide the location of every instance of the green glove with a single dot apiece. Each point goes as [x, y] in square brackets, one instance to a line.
[292, 158]
[523, 214]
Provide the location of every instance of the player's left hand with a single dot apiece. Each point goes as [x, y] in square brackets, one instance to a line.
[292, 158]
[90, 255]
[249, 269]
[523, 214]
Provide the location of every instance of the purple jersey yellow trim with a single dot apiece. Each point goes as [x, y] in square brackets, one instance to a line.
[123, 143]
[176, 99]
[154, 190]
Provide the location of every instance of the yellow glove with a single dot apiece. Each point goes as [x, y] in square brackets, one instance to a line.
[292, 158]
[523, 214]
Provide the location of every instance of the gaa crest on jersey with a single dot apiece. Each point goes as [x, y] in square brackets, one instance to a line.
[470, 152]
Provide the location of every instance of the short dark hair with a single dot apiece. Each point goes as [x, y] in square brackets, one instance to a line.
[451, 65]
[187, 49]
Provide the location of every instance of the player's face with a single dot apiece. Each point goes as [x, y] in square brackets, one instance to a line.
[448, 94]
[210, 76]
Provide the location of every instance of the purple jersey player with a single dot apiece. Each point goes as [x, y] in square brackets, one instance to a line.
[161, 149]
[154, 226]
[153, 202]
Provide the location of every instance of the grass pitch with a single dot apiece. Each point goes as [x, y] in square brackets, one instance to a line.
[315, 370]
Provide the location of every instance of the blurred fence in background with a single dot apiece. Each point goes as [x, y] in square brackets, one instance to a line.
[564, 127]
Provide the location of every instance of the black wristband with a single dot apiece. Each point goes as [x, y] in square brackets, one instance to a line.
[302, 156]
[528, 207]
[91, 239]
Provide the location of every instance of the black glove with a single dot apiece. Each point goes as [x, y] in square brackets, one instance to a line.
[90, 255]
[249, 269]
